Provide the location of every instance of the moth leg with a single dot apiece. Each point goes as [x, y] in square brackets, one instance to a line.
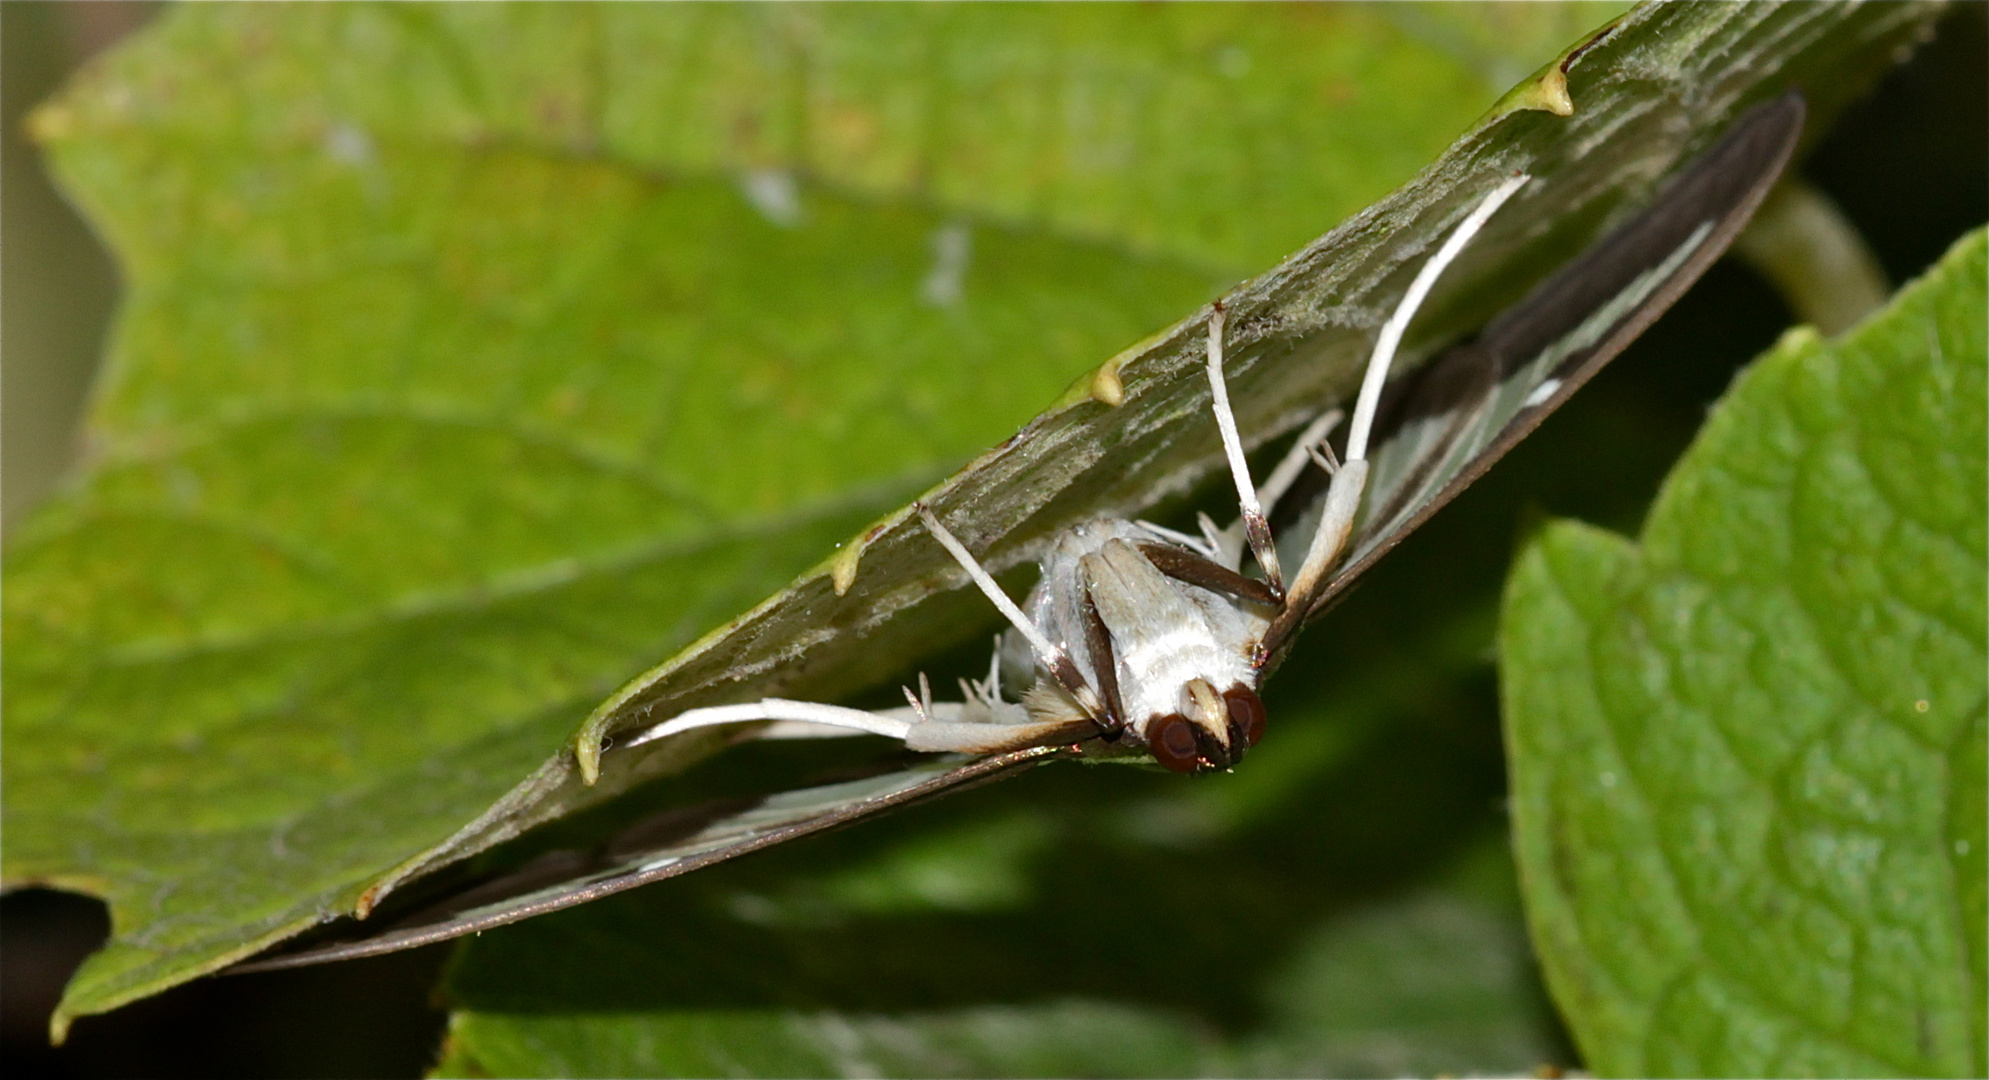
[1328, 461]
[1255, 528]
[960, 737]
[1295, 459]
[808, 712]
[1052, 656]
[1226, 545]
[986, 691]
[1343, 495]
[929, 732]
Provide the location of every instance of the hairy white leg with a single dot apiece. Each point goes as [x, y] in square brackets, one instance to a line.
[1398, 323]
[921, 702]
[789, 730]
[1226, 545]
[1343, 500]
[928, 733]
[777, 709]
[1255, 528]
[1343, 496]
[987, 691]
[1323, 455]
[962, 737]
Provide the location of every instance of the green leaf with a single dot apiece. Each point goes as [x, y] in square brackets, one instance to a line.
[1747, 752]
[474, 358]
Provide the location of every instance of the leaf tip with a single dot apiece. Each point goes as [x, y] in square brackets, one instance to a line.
[58, 1026]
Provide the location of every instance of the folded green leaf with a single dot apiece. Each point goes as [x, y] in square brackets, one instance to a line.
[1748, 753]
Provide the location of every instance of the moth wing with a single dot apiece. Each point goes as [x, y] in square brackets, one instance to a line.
[1460, 413]
[661, 846]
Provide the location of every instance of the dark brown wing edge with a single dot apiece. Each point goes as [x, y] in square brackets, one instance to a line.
[641, 867]
[1724, 186]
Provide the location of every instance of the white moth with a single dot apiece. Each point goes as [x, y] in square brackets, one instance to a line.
[1140, 636]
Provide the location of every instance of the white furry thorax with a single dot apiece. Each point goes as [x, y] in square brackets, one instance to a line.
[1164, 632]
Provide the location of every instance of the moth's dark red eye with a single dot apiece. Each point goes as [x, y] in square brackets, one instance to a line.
[1246, 715]
[1172, 740]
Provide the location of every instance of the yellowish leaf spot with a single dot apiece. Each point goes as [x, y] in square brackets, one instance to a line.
[842, 566]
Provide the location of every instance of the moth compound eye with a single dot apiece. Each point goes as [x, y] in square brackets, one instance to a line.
[1246, 714]
[1172, 740]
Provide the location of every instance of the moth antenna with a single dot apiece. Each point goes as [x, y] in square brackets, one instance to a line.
[1211, 535]
[1343, 495]
[925, 692]
[1045, 650]
[777, 709]
[1225, 547]
[1255, 528]
[1175, 536]
[1294, 461]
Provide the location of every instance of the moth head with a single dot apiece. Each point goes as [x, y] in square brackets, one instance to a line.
[1212, 730]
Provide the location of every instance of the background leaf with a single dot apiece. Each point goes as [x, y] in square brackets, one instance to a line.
[1748, 752]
